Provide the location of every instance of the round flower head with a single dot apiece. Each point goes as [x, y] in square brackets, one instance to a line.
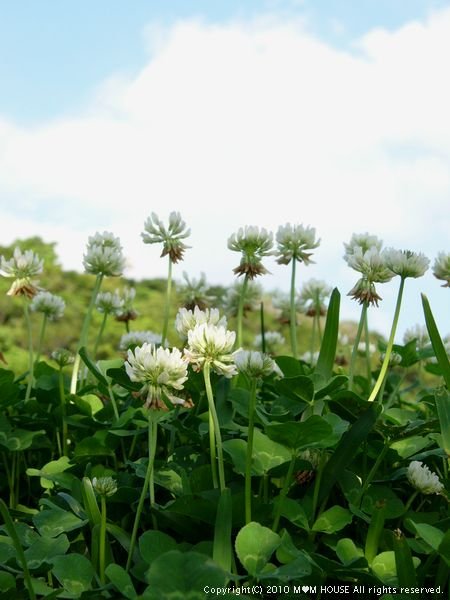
[155, 233]
[195, 292]
[138, 338]
[406, 263]
[441, 268]
[313, 297]
[211, 344]
[420, 477]
[256, 364]
[372, 265]
[362, 241]
[294, 241]
[188, 319]
[62, 357]
[104, 255]
[254, 244]
[104, 486]
[418, 333]
[282, 303]
[49, 305]
[252, 299]
[162, 371]
[127, 311]
[273, 341]
[22, 266]
[109, 303]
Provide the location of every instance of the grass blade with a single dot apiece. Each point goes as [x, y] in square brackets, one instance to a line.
[327, 352]
[436, 341]
[222, 549]
[406, 571]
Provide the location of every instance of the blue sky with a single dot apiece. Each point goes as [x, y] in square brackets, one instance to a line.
[331, 113]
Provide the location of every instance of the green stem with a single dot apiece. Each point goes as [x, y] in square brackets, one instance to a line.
[62, 397]
[411, 500]
[152, 449]
[313, 340]
[100, 334]
[84, 333]
[30, 350]
[373, 471]
[151, 458]
[367, 339]
[102, 540]
[240, 315]
[248, 463]
[263, 329]
[212, 451]
[293, 312]
[41, 339]
[215, 423]
[317, 482]
[283, 493]
[385, 365]
[167, 305]
[351, 370]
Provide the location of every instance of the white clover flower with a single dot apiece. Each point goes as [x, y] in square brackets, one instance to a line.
[62, 357]
[254, 244]
[211, 344]
[109, 303]
[363, 242]
[372, 265]
[406, 263]
[418, 333]
[49, 305]
[22, 266]
[188, 319]
[282, 303]
[155, 232]
[294, 241]
[394, 359]
[104, 486]
[195, 292]
[104, 255]
[256, 364]
[307, 358]
[138, 338]
[252, 300]
[273, 341]
[420, 477]
[313, 296]
[162, 371]
[127, 312]
[362, 348]
[441, 268]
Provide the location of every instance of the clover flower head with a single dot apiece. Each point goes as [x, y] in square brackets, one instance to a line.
[252, 298]
[195, 292]
[371, 264]
[394, 359]
[109, 303]
[282, 303]
[49, 305]
[22, 266]
[405, 262]
[62, 357]
[254, 244]
[294, 242]
[273, 341]
[189, 319]
[311, 360]
[256, 365]
[363, 242]
[160, 370]
[420, 477]
[138, 338]
[104, 255]
[441, 268]
[213, 345]
[313, 297]
[418, 333]
[104, 486]
[127, 312]
[171, 237]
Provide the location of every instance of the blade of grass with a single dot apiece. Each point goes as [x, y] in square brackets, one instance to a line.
[436, 341]
[222, 548]
[406, 572]
[327, 353]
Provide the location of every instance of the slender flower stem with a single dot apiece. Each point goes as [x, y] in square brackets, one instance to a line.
[240, 315]
[62, 398]
[84, 333]
[248, 463]
[215, 423]
[283, 493]
[30, 350]
[167, 305]
[293, 313]
[385, 365]
[212, 451]
[411, 500]
[152, 434]
[102, 539]
[313, 339]
[351, 370]
[41, 339]
[100, 334]
[263, 329]
[373, 471]
[366, 335]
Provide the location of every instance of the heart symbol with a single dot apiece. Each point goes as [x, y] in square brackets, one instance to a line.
[305, 588]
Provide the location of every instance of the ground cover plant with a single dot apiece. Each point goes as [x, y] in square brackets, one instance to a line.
[205, 466]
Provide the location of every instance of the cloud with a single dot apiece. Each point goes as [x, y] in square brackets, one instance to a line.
[248, 122]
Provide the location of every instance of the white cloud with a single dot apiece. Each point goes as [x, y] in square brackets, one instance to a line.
[248, 123]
